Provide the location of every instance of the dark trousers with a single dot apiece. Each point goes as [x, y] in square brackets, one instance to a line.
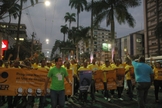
[106, 93]
[119, 89]
[130, 92]
[15, 101]
[76, 85]
[93, 89]
[142, 92]
[157, 84]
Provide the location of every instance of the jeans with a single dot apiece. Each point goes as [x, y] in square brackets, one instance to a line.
[57, 96]
[142, 92]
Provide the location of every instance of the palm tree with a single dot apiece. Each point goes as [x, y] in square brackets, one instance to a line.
[64, 30]
[70, 17]
[158, 34]
[85, 37]
[79, 5]
[111, 9]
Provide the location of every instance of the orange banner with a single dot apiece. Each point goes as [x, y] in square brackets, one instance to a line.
[120, 71]
[98, 80]
[68, 87]
[111, 79]
[22, 82]
[132, 71]
[160, 74]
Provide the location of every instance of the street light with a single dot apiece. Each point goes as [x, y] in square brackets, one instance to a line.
[47, 3]
[47, 41]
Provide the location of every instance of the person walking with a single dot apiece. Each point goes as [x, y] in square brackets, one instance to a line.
[143, 76]
[57, 87]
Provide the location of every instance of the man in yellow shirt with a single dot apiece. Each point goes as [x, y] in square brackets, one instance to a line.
[128, 79]
[106, 68]
[83, 93]
[93, 67]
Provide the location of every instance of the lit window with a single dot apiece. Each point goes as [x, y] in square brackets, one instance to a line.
[138, 40]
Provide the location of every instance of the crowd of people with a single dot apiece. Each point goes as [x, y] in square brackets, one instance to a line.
[144, 76]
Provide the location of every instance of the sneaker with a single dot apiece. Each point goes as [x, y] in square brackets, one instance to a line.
[105, 98]
[109, 99]
[120, 99]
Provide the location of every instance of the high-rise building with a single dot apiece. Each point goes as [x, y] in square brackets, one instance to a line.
[101, 35]
[152, 17]
[132, 43]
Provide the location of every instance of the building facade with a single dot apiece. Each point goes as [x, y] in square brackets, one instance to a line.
[132, 43]
[152, 16]
[10, 32]
[101, 35]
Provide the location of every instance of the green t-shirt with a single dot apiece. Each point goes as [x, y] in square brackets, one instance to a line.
[57, 76]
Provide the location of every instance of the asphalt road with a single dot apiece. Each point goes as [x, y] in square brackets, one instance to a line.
[102, 103]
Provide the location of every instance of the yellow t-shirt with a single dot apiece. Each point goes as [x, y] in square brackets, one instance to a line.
[42, 68]
[35, 66]
[128, 76]
[93, 68]
[106, 68]
[83, 68]
[157, 74]
[74, 68]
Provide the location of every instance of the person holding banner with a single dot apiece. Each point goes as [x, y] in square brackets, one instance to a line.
[128, 79]
[120, 73]
[157, 80]
[57, 87]
[13, 103]
[143, 74]
[83, 93]
[93, 67]
[106, 68]
[68, 68]
[75, 75]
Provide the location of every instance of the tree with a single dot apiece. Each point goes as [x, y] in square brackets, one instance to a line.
[70, 18]
[111, 9]
[64, 30]
[79, 5]
[158, 34]
[19, 21]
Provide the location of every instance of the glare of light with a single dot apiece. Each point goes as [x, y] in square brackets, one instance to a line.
[109, 45]
[47, 3]
[125, 49]
[47, 52]
[47, 41]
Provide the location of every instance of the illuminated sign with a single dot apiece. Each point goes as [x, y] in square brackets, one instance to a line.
[4, 44]
[106, 47]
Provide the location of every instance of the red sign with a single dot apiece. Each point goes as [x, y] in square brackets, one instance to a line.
[4, 44]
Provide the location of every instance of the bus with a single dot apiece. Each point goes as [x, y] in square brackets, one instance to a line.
[154, 59]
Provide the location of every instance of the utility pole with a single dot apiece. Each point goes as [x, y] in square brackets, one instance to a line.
[18, 29]
[91, 55]
[33, 36]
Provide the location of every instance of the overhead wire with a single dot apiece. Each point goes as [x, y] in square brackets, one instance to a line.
[53, 17]
[30, 20]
